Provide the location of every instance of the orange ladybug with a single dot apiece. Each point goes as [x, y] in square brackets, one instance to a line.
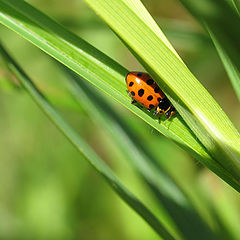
[144, 90]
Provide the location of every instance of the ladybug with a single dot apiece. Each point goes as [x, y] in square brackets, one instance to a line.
[144, 90]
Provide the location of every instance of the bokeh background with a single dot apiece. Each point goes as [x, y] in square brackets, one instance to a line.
[47, 190]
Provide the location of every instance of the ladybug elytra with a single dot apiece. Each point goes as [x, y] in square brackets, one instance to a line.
[144, 90]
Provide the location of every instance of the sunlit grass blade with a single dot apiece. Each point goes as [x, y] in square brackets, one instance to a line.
[174, 199]
[109, 76]
[84, 149]
[132, 23]
[87, 61]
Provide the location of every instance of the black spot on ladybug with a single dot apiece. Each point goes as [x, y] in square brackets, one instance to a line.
[151, 106]
[140, 92]
[159, 99]
[150, 98]
[139, 74]
[150, 82]
[130, 84]
[132, 93]
[156, 89]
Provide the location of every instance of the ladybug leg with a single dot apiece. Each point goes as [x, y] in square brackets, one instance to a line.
[133, 101]
[170, 114]
[155, 112]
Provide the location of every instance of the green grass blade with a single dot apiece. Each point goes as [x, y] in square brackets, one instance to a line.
[174, 199]
[236, 4]
[88, 62]
[231, 69]
[132, 23]
[84, 149]
[225, 38]
[109, 76]
[84, 59]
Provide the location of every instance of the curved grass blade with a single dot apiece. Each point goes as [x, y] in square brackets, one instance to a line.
[172, 196]
[87, 61]
[85, 150]
[231, 69]
[225, 38]
[105, 73]
[132, 23]
[236, 4]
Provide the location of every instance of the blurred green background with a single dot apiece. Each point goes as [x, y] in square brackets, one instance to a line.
[47, 190]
